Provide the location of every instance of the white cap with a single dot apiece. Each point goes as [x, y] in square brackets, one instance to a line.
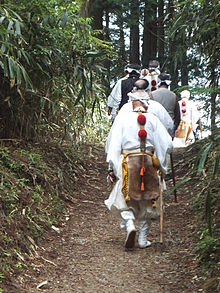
[140, 95]
[130, 69]
[185, 94]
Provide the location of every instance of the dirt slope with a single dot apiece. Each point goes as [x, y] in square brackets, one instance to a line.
[88, 254]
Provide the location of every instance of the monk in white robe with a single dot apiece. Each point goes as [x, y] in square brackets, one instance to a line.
[153, 107]
[137, 199]
[184, 135]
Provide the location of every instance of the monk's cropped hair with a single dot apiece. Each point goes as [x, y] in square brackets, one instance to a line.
[141, 84]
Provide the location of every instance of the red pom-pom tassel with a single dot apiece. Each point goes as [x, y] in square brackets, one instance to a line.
[141, 119]
[183, 110]
[153, 82]
[183, 103]
[142, 133]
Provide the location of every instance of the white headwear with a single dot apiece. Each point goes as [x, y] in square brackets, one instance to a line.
[185, 94]
[140, 95]
[167, 82]
[164, 78]
[156, 70]
[129, 69]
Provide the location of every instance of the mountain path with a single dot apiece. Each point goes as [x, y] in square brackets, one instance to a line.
[88, 255]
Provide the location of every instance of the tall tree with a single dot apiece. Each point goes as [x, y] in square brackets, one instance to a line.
[203, 38]
[149, 46]
[122, 52]
[134, 32]
[172, 56]
[160, 33]
[96, 11]
[184, 61]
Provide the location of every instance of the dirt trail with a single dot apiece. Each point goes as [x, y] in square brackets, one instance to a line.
[88, 255]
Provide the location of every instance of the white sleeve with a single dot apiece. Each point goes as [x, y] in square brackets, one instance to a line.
[195, 115]
[162, 142]
[114, 98]
[115, 144]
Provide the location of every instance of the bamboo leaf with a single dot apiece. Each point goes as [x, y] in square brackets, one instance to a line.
[10, 25]
[79, 96]
[18, 75]
[216, 167]
[93, 105]
[3, 48]
[205, 151]
[26, 77]
[2, 19]
[17, 28]
[178, 185]
[16, 15]
[5, 61]
[11, 66]
[26, 56]
[64, 20]
[2, 65]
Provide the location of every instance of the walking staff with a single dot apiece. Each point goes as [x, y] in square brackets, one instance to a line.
[173, 176]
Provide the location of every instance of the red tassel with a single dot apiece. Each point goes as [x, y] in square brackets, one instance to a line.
[142, 186]
[142, 171]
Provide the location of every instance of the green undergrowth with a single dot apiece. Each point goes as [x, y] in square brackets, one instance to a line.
[35, 183]
[207, 207]
[202, 162]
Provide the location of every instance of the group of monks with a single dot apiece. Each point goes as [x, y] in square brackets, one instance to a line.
[148, 122]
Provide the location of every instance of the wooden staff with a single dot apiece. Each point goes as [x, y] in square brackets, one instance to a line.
[161, 210]
[173, 176]
[200, 127]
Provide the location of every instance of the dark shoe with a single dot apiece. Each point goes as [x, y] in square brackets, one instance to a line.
[130, 240]
[168, 177]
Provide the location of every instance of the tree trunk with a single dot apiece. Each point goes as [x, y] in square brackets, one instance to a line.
[134, 33]
[213, 84]
[84, 9]
[173, 69]
[149, 47]
[107, 38]
[154, 31]
[184, 69]
[161, 38]
[122, 53]
[96, 11]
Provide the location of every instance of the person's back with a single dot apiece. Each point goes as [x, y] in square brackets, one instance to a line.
[189, 117]
[118, 96]
[126, 87]
[137, 149]
[167, 99]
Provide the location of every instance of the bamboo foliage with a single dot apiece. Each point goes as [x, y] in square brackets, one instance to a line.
[51, 66]
[12, 51]
[209, 150]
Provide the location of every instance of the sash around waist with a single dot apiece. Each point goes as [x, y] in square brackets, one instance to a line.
[130, 151]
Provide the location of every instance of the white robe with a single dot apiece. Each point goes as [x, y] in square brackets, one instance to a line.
[115, 96]
[190, 117]
[154, 108]
[124, 136]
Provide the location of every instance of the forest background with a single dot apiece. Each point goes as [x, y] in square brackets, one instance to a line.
[59, 59]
